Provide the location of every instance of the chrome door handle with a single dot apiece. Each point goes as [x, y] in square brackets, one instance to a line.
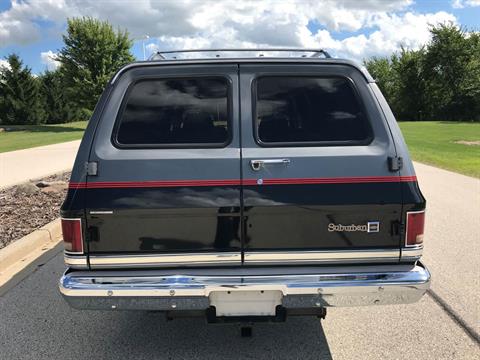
[258, 164]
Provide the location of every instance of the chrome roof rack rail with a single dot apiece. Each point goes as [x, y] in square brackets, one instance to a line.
[160, 55]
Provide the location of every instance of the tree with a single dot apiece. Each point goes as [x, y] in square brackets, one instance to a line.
[93, 52]
[452, 73]
[57, 107]
[20, 96]
[438, 82]
[381, 70]
[407, 68]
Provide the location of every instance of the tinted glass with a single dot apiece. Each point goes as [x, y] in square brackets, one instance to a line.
[309, 110]
[175, 111]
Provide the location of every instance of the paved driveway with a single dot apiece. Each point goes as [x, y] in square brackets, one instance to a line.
[35, 323]
[22, 165]
[452, 244]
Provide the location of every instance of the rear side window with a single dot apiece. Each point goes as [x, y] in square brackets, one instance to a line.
[174, 113]
[309, 111]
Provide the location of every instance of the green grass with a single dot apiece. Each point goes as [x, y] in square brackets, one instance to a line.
[434, 143]
[29, 136]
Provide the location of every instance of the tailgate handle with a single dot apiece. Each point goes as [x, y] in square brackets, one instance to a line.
[258, 164]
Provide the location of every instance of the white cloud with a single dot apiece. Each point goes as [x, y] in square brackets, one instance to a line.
[388, 32]
[409, 30]
[13, 31]
[185, 17]
[18, 25]
[457, 4]
[4, 65]
[460, 4]
[232, 23]
[48, 58]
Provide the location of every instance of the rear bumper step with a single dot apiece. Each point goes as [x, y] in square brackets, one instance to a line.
[94, 290]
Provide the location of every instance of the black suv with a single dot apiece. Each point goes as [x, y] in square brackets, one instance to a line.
[257, 187]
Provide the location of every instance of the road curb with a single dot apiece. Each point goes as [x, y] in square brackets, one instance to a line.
[21, 253]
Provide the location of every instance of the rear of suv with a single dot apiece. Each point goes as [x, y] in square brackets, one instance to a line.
[254, 187]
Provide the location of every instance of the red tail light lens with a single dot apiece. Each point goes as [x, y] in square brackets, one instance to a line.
[415, 227]
[72, 235]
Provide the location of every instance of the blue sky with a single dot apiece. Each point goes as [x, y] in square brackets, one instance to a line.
[347, 28]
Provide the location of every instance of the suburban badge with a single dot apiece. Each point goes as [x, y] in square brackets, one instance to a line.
[370, 227]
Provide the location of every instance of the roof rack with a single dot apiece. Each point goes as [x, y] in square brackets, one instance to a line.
[160, 55]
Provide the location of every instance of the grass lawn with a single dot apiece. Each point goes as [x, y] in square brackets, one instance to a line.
[30, 136]
[435, 143]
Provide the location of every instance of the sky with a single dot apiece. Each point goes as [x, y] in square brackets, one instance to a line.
[354, 29]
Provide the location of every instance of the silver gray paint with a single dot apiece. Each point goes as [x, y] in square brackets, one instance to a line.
[167, 164]
[400, 145]
[311, 161]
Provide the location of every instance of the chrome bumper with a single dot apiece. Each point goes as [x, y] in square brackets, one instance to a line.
[354, 286]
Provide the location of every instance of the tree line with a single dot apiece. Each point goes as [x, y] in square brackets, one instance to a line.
[440, 81]
[93, 51]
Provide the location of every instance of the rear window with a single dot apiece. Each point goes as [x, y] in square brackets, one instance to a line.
[309, 111]
[174, 113]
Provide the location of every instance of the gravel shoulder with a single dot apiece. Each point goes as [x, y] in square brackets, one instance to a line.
[28, 206]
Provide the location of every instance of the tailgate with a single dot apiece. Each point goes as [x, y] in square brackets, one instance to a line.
[316, 180]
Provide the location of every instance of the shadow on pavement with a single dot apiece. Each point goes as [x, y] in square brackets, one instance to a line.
[36, 323]
[144, 334]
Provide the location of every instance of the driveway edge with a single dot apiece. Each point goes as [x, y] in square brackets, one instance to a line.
[20, 254]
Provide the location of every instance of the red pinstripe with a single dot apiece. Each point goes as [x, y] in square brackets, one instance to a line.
[238, 182]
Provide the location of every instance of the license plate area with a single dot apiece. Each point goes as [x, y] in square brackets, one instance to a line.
[245, 303]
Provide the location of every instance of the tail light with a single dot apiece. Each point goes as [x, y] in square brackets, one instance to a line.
[415, 227]
[72, 235]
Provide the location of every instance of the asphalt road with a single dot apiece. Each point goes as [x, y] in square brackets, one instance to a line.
[35, 323]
